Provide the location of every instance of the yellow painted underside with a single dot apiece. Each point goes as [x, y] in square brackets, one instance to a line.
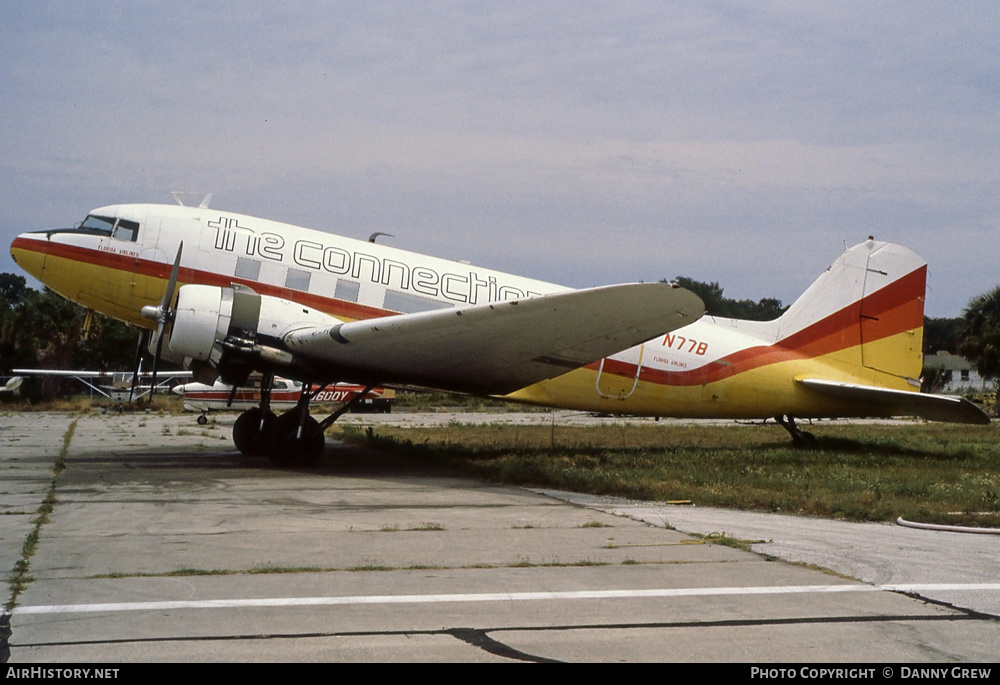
[119, 294]
[758, 393]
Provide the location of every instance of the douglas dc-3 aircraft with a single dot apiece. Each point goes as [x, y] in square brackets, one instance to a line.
[257, 295]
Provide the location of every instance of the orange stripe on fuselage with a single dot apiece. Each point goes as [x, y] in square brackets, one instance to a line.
[896, 308]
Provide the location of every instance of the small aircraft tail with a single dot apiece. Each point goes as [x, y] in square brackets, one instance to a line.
[867, 311]
[864, 318]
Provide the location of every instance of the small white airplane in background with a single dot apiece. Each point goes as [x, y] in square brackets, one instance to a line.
[118, 386]
[257, 295]
[285, 393]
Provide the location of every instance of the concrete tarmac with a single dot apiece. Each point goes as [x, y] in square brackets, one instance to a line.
[149, 538]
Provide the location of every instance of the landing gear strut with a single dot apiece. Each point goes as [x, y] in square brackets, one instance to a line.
[293, 439]
[800, 438]
[252, 428]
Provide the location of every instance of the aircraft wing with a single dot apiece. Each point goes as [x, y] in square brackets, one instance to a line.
[931, 407]
[501, 347]
[109, 376]
[108, 382]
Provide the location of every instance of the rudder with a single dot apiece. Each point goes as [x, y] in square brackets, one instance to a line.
[869, 305]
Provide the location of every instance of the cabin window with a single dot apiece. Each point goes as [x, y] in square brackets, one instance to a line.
[347, 290]
[248, 269]
[297, 279]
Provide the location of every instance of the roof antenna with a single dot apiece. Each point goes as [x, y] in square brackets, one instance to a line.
[179, 198]
[376, 234]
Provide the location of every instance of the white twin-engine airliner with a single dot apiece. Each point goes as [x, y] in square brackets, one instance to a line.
[257, 295]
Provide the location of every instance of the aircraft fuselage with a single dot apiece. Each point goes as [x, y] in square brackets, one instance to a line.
[120, 259]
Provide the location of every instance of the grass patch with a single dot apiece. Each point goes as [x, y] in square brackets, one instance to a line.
[394, 528]
[360, 568]
[865, 472]
[430, 525]
[727, 541]
[88, 404]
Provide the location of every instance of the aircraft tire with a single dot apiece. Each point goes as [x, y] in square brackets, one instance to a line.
[287, 450]
[248, 438]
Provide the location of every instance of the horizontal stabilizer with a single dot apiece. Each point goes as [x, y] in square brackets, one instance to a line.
[501, 347]
[931, 407]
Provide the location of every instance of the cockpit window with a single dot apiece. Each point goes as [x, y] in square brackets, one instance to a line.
[98, 224]
[125, 230]
[122, 229]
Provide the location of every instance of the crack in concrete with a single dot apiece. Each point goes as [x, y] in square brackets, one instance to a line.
[19, 578]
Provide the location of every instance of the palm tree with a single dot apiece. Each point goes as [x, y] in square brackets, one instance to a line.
[979, 334]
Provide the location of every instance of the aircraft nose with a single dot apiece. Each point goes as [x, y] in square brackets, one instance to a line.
[178, 390]
[28, 251]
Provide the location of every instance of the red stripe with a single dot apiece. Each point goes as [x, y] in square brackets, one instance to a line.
[242, 395]
[896, 308]
[146, 267]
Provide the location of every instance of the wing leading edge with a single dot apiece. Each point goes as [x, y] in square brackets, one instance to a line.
[930, 407]
[501, 347]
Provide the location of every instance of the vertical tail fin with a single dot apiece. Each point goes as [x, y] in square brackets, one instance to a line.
[867, 310]
[865, 318]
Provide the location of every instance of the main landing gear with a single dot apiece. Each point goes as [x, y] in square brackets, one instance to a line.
[294, 438]
[800, 438]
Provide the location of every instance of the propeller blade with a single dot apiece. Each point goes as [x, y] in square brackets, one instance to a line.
[172, 283]
[137, 364]
[156, 360]
[162, 315]
[162, 312]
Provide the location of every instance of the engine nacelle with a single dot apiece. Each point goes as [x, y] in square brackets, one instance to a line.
[238, 328]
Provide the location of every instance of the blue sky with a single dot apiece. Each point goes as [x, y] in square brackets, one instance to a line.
[577, 142]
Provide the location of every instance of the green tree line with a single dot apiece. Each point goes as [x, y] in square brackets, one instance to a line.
[40, 329]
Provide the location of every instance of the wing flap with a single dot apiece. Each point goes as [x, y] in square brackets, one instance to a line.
[931, 407]
[501, 347]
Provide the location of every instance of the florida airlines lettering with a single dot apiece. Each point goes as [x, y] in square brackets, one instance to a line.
[257, 295]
